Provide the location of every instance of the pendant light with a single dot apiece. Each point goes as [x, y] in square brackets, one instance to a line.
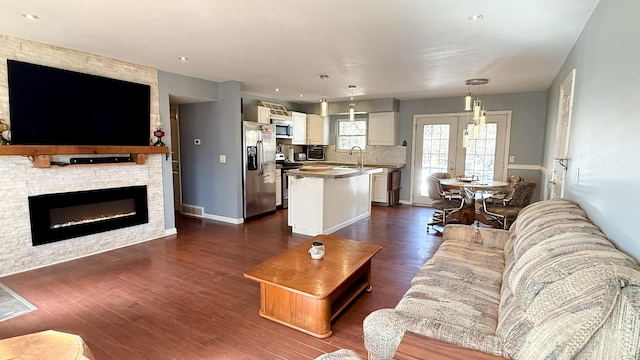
[324, 105]
[475, 107]
[352, 106]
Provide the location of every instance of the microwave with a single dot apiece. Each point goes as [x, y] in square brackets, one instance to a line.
[283, 129]
[315, 152]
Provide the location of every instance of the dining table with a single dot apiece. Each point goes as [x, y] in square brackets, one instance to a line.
[470, 189]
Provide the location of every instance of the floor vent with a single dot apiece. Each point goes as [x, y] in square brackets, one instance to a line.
[192, 210]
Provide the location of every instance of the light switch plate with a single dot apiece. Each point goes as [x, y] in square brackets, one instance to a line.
[223, 159]
[512, 158]
[576, 177]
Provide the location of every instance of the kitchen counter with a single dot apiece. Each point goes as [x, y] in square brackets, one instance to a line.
[334, 172]
[337, 163]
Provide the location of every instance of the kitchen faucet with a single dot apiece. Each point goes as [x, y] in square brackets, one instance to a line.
[360, 162]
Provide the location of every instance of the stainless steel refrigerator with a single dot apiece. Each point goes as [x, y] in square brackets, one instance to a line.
[259, 168]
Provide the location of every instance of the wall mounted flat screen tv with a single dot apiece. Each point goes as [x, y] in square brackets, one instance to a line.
[50, 106]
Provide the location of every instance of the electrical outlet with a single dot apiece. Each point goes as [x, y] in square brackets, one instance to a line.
[223, 159]
[196, 141]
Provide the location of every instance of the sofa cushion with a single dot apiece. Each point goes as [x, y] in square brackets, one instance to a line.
[563, 316]
[536, 210]
[550, 225]
[548, 262]
[459, 285]
[618, 336]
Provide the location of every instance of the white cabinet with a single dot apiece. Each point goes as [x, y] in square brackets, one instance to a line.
[379, 187]
[385, 187]
[278, 186]
[317, 130]
[383, 127]
[299, 128]
[264, 115]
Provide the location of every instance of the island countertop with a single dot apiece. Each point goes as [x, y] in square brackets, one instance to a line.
[334, 172]
[366, 164]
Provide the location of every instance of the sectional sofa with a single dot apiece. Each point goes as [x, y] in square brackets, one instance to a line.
[551, 287]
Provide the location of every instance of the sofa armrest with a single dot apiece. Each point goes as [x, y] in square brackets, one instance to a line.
[495, 238]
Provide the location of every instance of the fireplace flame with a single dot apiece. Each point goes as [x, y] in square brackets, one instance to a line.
[92, 220]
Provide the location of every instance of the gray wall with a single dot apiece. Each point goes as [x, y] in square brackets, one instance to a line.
[604, 124]
[527, 129]
[173, 85]
[206, 182]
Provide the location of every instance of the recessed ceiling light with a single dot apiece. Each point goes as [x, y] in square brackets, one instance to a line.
[183, 58]
[301, 95]
[30, 16]
[277, 90]
[475, 17]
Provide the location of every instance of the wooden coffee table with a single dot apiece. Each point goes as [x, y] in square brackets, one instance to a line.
[307, 294]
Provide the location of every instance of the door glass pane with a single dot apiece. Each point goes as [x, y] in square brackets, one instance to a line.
[481, 152]
[435, 152]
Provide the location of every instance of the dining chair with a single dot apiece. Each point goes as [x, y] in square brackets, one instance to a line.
[447, 191]
[498, 196]
[507, 211]
[443, 205]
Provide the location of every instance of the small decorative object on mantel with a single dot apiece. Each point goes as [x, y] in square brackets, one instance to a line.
[5, 134]
[159, 133]
[4, 131]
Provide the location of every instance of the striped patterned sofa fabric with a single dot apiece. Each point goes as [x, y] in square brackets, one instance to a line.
[552, 287]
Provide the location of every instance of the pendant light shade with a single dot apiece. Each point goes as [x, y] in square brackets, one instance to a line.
[324, 105]
[352, 106]
[467, 102]
[476, 109]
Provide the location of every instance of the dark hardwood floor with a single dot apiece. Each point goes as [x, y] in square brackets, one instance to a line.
[184, 296]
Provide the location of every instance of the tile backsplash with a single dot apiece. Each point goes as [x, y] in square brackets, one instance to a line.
[372, 155]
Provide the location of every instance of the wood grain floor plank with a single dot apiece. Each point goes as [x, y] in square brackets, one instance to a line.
[184, 296]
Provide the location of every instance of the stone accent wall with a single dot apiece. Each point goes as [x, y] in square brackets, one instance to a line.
[54, 56]
[20, 179]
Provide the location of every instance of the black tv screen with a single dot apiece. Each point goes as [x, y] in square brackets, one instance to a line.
[50, 106]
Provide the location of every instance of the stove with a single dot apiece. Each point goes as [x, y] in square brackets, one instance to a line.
[286, 165]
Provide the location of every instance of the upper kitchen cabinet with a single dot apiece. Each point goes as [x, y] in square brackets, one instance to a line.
[299, 128]
[317, 129]
[383, 127]
[264, 115]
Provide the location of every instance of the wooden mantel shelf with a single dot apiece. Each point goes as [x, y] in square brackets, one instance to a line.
[41, 153]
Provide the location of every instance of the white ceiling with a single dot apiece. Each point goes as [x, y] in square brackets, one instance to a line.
[407, 49]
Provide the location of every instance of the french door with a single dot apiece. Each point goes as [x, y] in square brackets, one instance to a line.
[439, 146]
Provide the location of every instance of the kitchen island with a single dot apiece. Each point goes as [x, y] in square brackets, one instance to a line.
[325, 199]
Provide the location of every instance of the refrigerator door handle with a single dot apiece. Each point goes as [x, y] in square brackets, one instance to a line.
[260, 154]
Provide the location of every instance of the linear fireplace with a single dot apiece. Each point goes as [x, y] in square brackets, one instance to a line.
[61, 216]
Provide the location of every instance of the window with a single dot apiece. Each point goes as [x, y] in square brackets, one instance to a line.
[481, 152]
[351, 133]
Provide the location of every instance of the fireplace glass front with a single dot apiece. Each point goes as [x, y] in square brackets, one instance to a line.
[63, 216]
